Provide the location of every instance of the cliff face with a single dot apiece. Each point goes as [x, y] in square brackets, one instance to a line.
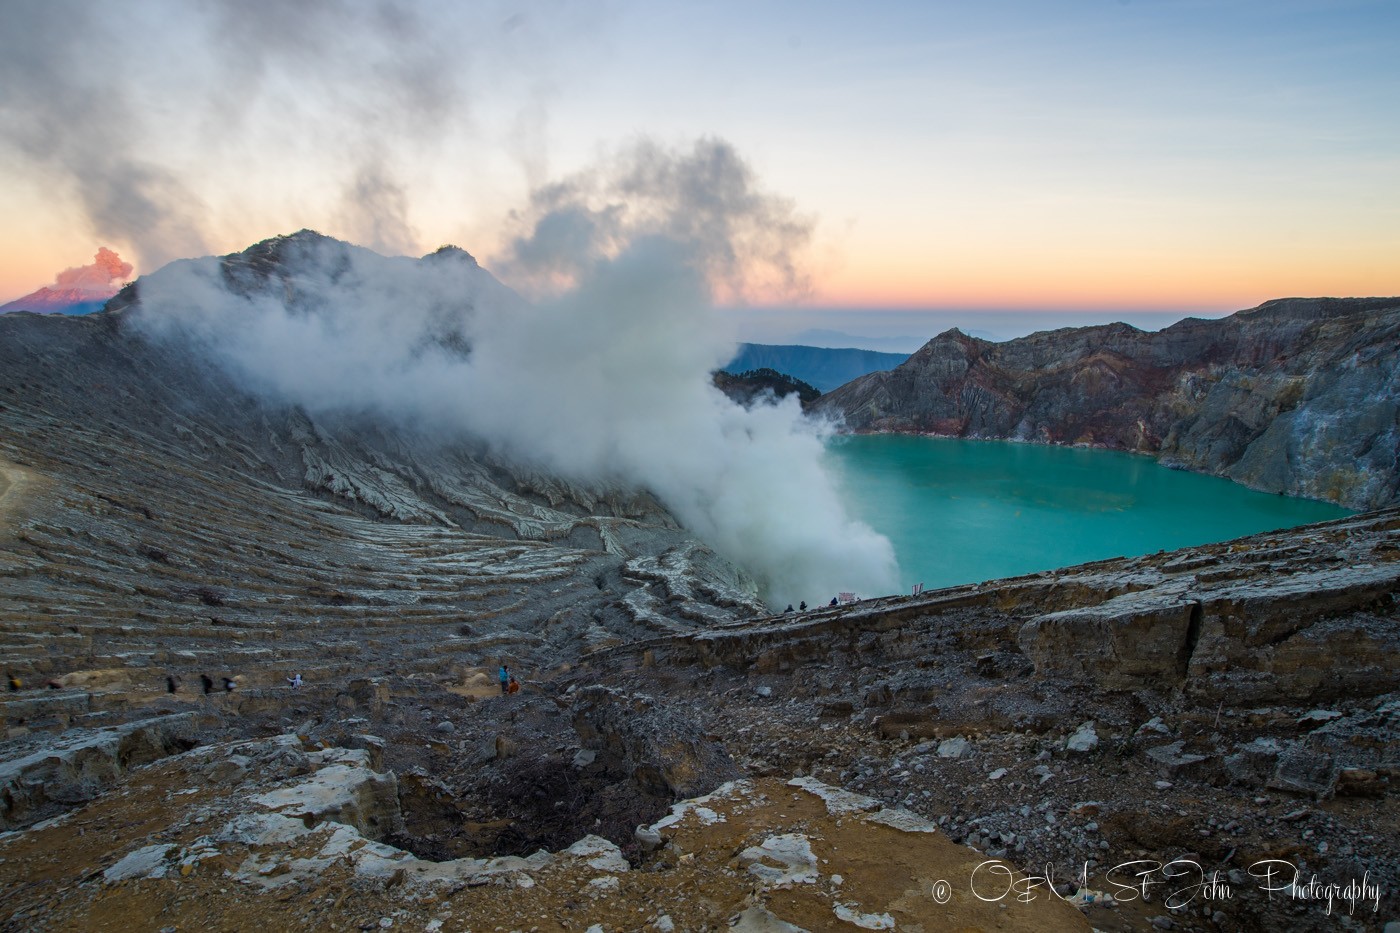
[1298, 396]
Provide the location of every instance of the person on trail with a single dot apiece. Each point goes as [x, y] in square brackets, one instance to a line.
[788, 609]
[172, 683]
[833, 601]
[295, 681]
[505, 679]
[802, 606]
[229, 684]
[207, 682]
[15, 684]
[513, 686]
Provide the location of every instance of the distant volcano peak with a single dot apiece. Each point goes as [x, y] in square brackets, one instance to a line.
[77, 290]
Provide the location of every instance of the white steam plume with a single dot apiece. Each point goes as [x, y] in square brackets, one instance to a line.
[606, 377]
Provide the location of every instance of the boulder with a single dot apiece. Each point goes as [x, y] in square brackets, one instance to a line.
[1253, 764]
[1132, 641]
[954, 748]
[1302, 770]
[1176, 762]
[1083, 740]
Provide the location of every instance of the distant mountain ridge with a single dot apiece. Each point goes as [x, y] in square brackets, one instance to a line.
[1299, 396]
[822, 367]
[49, 300]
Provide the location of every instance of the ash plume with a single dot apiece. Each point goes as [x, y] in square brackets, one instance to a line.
[102, 275]
[603, 378]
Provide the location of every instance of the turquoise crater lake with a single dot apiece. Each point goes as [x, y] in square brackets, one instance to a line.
[965, 511]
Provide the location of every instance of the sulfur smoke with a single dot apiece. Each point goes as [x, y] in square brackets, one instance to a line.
[603, 376]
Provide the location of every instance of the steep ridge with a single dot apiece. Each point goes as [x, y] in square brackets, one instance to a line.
[1298, 396]
[169, 506]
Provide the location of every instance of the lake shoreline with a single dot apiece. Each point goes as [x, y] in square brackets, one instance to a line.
[967, 510]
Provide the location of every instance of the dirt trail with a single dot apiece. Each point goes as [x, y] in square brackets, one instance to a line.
[16, 487]
[11, 480]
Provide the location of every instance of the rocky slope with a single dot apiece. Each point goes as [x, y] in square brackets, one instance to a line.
[969, 758]
[166, 509]
[1060, 751]
[1297, 396]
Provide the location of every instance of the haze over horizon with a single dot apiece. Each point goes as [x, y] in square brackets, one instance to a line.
[1086, 161]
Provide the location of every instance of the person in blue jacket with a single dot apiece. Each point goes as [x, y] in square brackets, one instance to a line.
[505, 679]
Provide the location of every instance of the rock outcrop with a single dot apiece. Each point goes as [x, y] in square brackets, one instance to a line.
[1298, 396]
[55, 775]
[752, 385]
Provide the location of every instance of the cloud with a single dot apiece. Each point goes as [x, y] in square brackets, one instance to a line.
[604, 378]
[743, 240]
[65, 111]
[143, 111]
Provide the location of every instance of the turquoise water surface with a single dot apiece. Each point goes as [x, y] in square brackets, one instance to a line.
[965, 511]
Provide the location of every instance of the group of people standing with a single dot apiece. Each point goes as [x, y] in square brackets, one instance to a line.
[172, 683]
[803, 606]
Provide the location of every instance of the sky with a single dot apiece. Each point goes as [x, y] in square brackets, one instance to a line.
[1002, 166]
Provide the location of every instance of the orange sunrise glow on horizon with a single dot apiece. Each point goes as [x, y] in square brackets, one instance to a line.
[1147, 156]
